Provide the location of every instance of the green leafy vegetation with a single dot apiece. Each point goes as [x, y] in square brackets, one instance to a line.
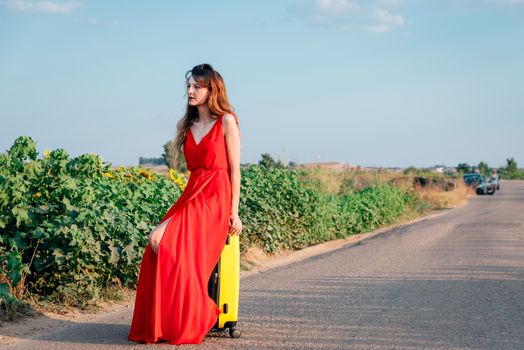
[281, 209]
[73, 228]
[511, 170]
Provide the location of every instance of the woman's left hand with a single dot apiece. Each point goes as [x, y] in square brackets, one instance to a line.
[235, 225]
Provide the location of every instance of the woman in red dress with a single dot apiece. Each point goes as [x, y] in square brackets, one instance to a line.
[172, 302]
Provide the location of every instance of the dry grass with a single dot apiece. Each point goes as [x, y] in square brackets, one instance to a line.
[324, 179]
[344, 179]
[439, 199]
[358, 180]
[13, 311]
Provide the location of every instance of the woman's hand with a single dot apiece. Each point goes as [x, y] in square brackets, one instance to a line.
[235, 225]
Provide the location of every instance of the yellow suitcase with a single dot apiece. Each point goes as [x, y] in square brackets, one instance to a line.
[224, 286]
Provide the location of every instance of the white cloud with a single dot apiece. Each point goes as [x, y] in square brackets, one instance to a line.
[336, 7]
[385, 17]
[325, 13]
[40, 6]
[349, 15]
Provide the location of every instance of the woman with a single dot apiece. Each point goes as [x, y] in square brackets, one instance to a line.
[172, 303]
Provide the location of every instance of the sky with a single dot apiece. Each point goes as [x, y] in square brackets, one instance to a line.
[391, 83]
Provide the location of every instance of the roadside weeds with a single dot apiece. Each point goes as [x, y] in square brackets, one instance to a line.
[254, 261]
[36, 318]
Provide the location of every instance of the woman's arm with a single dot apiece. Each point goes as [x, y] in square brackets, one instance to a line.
[232, 136]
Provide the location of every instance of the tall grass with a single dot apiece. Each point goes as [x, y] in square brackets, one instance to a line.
[438, 199]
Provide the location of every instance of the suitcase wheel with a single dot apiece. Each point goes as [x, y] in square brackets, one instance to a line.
[234, 333]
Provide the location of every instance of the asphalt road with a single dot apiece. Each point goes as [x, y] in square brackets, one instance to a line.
[452, 282]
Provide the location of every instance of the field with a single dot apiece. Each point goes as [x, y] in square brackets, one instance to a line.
[74, 229]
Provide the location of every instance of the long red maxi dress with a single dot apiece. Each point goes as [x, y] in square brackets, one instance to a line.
[172, 302]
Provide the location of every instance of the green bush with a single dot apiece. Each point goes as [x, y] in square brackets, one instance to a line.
[280, 211]
[71, 226]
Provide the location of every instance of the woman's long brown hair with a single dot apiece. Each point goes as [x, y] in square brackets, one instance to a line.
[218, 102]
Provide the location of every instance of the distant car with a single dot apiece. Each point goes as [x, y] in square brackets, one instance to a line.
[476, 181]
[491, 185]
[473, 179]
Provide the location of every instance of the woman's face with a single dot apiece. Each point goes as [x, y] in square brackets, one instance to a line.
[196, 95]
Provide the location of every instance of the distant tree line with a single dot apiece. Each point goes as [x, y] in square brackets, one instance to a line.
[510, 171]
[151, 161]
[174, 160]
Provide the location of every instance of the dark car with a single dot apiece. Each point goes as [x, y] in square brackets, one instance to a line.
[476, 181]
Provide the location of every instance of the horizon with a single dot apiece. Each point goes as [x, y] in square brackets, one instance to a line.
[377, 83]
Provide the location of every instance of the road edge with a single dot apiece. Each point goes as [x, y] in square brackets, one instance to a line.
[336, 244]
[54, 323]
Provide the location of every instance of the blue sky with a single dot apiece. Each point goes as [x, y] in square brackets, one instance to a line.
[372, 83]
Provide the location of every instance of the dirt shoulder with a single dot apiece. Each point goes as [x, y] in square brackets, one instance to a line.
[46, 321]
[254, 259]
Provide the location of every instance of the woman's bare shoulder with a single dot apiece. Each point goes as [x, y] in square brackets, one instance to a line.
[229, 121]
[228, 117]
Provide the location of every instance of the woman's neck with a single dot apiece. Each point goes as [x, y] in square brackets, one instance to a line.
[204, 114]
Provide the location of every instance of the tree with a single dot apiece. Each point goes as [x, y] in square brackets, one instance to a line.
[464, 168]
[511, 166]
[411, 170]
[268, 161]
[173, 159]
[484, 169]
